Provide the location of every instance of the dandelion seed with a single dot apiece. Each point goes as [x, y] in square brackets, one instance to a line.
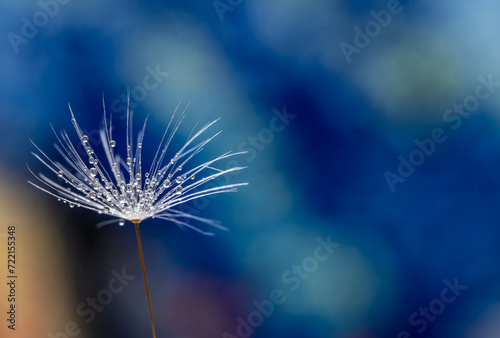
[118, 189]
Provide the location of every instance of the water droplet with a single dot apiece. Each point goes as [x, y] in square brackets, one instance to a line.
[179, 179]
[129, 160]
[167, 184]
[85, 138]
[105, 209]
[60, 174]
[192, 177]
[138, 176]
[139, 145]
[146, 175]
[179, 168]
[93, 172]
[91, 160]
[112, 143]
[121, 223]
[71, 205]
[178, 190]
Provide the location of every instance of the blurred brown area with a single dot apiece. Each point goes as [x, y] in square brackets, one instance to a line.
[43, 297]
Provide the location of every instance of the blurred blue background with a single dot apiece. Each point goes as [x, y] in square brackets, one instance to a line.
[362, 83]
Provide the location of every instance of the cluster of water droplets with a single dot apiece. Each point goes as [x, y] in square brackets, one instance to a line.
[135, 198]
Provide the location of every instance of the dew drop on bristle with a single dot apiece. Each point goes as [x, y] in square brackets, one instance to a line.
[112, 143]
[121, 223]
[60, 174]
[129, 160]
[93, 172]
[85, 138]
[178, 190]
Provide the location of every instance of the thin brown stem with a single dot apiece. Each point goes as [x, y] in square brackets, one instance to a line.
[136, 223]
